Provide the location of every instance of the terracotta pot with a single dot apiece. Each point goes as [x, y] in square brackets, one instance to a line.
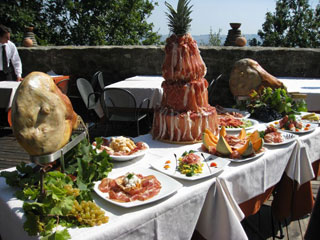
[27, 42]
[241, 41]
[235, 26]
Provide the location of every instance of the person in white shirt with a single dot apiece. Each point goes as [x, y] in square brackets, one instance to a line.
[8, 54]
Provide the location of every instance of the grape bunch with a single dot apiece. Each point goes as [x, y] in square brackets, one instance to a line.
[88, 213]
[72, 191]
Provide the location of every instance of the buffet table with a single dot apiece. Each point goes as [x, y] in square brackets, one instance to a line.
[142, 87]
[211, 205]
[308, 86]
[7, 91]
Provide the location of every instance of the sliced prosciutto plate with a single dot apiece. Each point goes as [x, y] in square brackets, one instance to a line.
[286, 137]
[244, 114]
[168, 187]
[248, 124]
[211, 166]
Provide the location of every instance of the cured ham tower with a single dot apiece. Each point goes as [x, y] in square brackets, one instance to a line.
[184, 111]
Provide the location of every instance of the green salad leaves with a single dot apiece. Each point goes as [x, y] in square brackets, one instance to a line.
[66, 198]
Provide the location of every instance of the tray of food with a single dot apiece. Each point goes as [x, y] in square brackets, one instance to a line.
[132, 189]
[291, 124]
[235, 124]
[232, 112]
[274, 137]
[191, 165]
[236, 148]
[121, 148]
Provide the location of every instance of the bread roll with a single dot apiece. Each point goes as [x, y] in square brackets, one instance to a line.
[42, 116]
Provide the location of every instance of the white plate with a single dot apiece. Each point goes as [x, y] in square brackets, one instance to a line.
[168, 187]
[287, 138]
[312, 127]
[244, 113]
[249, 158]
[308, 120]
[254, 123]
[221, 163]
[128, 157]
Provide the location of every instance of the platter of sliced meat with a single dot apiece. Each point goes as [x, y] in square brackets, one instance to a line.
[131, 189]
[292, 124]
[232, 112]
[233, 124]
[273, 137]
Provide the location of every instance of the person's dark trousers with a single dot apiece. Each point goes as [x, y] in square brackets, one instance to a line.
[6, 77]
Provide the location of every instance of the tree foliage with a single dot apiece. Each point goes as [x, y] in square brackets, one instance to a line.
[81, 22]
[215, 38]
[293, 24]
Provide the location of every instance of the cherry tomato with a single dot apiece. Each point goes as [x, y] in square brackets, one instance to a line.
[166, 166]
[213, 164]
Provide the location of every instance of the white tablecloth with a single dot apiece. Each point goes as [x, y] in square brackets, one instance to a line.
[142, 87]
[7, 91]
[210, 205]
[308, 86]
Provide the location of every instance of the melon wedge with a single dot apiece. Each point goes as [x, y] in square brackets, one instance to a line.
[254, 136]
[242, 133]
[223, 147]
[257, 145]
[242, 149]
[213, 137]
[207, 140]
[249, 150]
[223, 131]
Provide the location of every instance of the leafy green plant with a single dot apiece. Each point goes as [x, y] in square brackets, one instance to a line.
[66, 199]
[269, 104]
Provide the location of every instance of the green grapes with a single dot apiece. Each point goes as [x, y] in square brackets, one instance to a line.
[88, 213]
[72, 191]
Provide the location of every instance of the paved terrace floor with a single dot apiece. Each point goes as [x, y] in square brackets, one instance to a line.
[257, 226]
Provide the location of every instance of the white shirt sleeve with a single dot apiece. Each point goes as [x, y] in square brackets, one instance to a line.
[15, 59]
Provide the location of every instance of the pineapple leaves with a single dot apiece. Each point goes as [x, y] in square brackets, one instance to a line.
[179, 21]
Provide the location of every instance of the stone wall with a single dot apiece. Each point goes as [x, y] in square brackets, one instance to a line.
[120, 62]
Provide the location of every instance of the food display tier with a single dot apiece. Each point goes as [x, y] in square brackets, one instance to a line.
[48, 158]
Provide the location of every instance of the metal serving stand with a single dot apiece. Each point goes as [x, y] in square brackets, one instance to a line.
[45, 160]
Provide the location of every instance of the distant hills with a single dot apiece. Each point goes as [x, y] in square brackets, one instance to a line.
[204, 39]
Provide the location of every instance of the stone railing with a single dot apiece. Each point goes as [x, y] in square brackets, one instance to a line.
[120, 62]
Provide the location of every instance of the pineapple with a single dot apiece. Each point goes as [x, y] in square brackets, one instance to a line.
[182, 57]
[179, 21]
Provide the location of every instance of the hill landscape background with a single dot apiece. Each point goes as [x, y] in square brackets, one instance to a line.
[203, 39]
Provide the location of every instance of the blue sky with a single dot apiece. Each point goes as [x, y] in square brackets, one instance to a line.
[218, 14]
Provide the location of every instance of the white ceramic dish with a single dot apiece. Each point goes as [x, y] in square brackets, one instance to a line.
[312, 127]
[244, 113]
[249, 158]
[254, 124]
[287, 138]
[128, 157]
[207, 171]
[168, 187]
[308, 120]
